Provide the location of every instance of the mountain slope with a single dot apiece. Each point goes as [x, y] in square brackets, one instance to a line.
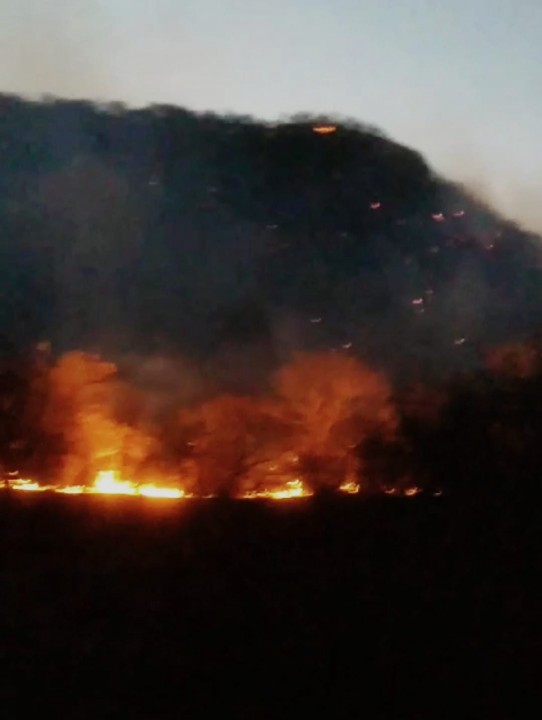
[242, 241]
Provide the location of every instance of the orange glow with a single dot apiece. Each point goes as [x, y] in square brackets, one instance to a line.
[405, 492]
[290, 490]
[107, 482]
[349, 487]
[167, 493]
[99, 435]
[324, 129]
[71, 490]
[27, 485]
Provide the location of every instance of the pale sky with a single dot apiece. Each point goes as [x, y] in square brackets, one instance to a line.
[458, 80]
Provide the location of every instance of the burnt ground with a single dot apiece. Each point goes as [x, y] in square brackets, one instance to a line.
[421, 607]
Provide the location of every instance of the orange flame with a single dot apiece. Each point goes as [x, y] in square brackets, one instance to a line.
[349, 487]
[26, 485]
[107, 482]
[290, 490]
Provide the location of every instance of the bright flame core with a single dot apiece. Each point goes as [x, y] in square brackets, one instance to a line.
[107, 482]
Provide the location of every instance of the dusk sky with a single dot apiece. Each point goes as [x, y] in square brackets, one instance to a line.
[458, 80]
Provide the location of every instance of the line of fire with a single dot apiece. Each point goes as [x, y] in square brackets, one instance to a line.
[77, 424]
[73, 425]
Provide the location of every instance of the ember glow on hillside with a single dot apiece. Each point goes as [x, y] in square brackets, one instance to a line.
[324, 129]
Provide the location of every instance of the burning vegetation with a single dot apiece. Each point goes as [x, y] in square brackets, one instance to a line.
[78, 424]
[72, 425]
[153, 233]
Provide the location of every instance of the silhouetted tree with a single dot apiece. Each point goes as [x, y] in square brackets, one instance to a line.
[231, 436]
[335, 402]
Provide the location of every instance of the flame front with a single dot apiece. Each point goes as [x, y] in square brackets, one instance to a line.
[290, 490]
[286, 445]
[350, 487]
[107, 482]
[25, 485]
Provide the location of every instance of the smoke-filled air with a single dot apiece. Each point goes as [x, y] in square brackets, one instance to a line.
[195, 305]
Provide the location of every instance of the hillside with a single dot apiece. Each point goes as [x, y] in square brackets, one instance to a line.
[225, 238]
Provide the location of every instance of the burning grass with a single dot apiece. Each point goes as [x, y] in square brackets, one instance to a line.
[109, 483]
[81, 429]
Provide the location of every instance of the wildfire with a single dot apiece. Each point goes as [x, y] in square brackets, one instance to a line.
[167, 493]
[25, 485]
[324, 129]
[290, 490]
[406, 492]
[350, 487]
[411, 491]
[240, 446]
[72, 490]
[107, 482]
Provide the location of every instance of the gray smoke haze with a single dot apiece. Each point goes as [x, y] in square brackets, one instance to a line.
[507, 188]
[523, 204]
[43, 49]
[95, 49]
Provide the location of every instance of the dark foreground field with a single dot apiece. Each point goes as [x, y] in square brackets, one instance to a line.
[419, 607]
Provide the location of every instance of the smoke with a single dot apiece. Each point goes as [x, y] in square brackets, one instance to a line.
[510, 197]
[164, 383]
[498, 180]
[521, 203]
[96, 240]
[51, 48]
